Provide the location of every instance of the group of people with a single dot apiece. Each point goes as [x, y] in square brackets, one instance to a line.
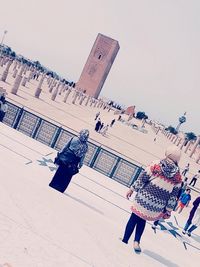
[194, 178]
[3, 105]
[156, 190]
[100, 127]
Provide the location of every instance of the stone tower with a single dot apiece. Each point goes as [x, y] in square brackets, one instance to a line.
[98, 65]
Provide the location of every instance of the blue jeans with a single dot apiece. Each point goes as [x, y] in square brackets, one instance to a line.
[189, 227]
[140, 225]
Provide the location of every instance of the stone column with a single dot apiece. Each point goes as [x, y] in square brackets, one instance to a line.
[99, 103]
[5, 73]
[14, 73]
[187, 146]
[61, 89]
[67, 94]
[82, 99]
[198, 158]
[30, 76]
[183, 143]
[53, 84]
[15, 65]
[24, 81]
[91, 102]
[75, 97]
[170, 136]
[39, 88]
[195, 146]
[17, 81]
[179, 141]
[87, 101]
[175, 139]
[55, 92]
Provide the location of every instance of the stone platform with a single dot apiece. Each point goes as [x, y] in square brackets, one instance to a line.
[40, 227]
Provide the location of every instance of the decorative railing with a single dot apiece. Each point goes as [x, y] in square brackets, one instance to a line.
[100, 158]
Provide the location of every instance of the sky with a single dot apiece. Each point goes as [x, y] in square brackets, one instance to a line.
[157, 67]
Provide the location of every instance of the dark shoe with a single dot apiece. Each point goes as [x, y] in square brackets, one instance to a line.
[136, 247]
[184, 232]
[188, 233]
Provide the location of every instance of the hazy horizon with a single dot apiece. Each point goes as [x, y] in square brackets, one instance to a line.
[157, 67]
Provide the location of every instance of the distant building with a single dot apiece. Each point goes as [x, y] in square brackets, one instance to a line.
[130, 110]
[98, 65]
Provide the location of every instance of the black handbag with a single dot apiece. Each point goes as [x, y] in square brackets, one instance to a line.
[69, 159]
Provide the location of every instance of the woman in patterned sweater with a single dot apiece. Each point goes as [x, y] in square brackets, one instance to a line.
[156, 194]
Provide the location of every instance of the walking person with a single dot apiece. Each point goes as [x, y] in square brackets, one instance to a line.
[70, 160]
[101, 127]
[104, 130]
[187, 167]
[194, 218]
[159, 183]
[97, 115]
[194, 179]
[98, 125]
[183, 200]
[112, 122]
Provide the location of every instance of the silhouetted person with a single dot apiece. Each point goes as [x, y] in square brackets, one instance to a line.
[186, 169]
[97, 115]
[112, 122]
[98, 125]
[70, 160]
[194, 179]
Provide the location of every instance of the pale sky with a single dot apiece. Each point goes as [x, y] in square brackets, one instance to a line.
[157, 67]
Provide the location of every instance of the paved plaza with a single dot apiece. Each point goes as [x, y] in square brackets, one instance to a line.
[82, 227]
[43, 228]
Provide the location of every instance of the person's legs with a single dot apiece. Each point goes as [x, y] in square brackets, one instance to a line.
[155, 224]
[187, 225]
[129, 228]
[139, 229]
[180, 209]
[184, 172]
[1, 115]
[192, 228]
[192, 181]
[178, 206]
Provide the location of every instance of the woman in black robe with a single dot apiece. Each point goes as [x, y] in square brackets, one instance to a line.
[70, 160]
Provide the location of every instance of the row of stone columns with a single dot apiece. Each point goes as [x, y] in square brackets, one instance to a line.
[180, 142]
[55, 86]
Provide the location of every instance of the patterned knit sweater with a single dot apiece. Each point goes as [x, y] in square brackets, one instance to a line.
[156, 190]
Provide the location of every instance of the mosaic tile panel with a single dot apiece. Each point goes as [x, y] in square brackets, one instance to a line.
[92, 149]
[11, 114]
[124, 172]
[46, 132]
[28, 123]
[98, 158]
[63, 138]
[105, 162]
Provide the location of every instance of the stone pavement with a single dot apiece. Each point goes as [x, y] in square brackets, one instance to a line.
[39, 227]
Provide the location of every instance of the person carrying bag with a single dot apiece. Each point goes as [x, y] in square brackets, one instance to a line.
[156, 190]
[69, 161]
